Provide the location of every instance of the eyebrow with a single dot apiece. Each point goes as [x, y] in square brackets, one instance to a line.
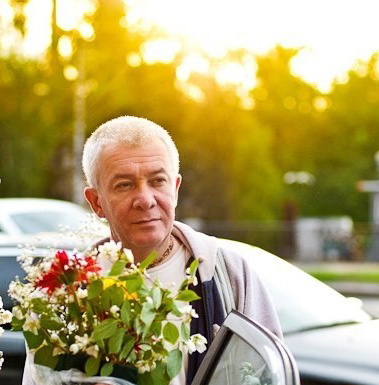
[126, 176]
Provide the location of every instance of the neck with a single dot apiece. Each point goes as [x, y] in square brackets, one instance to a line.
[164, 250]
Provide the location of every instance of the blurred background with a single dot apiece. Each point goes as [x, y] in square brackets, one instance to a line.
[273, 105]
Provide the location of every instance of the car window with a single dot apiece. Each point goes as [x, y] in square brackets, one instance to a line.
[244, 353]
[48, 221]
[240, 364]
[9, 270]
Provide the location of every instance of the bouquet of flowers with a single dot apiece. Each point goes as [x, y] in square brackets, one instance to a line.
[5, 317]
[107, 322]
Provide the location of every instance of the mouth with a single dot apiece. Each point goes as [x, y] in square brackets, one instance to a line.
[146, 221]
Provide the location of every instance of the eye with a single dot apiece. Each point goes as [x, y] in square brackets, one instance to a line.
[125, 185]
[159, 181]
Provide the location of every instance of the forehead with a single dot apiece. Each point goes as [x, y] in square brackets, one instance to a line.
[122, 154]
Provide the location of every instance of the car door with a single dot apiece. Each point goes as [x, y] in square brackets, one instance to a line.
[244, 353]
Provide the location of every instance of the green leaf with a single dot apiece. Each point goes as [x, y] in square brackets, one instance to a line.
[92, 366]
[105, 329]
[115, 341]
[157, 297]
[175, 306]
[106, 299]
[125, 313]
[170, 332]
[44, 356]
[185, 329]
[117, 268]
[127, 348]
[33, 341]
[132, 281]
[156, 328]
[74, 311]
[157, 376]
[106, 369]
[146, 379]
[17, 324]
[160, 350]
[148, 261]
[193, 267]
[51, 324]
[39, 305]
[90, 313]
[95, 289]
[117, 295]
[147, 314]
[187, 296]
[174, 362]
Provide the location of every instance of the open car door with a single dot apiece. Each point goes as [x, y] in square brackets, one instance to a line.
[244, 353]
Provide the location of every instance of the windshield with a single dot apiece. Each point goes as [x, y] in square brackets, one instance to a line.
[301, 301]
[48, 221]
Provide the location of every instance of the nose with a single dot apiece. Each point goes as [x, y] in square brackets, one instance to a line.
[144, 198]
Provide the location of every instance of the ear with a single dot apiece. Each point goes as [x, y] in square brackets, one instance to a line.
[178, 182]
[93, 199]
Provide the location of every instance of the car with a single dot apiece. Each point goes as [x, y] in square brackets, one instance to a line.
[34, 215]
[332, 339]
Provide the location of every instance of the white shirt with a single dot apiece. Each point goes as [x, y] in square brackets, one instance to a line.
[171, 273]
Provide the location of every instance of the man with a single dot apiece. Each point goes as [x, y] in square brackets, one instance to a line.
[132, 170]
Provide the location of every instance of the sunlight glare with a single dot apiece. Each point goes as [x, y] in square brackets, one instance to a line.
[38, 34]
[334, 34]
[160, 50]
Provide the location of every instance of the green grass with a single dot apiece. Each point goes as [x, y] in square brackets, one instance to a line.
[367, 276]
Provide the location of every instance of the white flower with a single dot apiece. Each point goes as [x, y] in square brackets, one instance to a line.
[82, 341]
[114, 310]
[93, 351]
[129, 255]
[72, 327]
[110, 250]
[1, 303]
[1, 359]
[193, 279]
[17, 313]
[1, 331]
[31, 324]
[5, 316]
[188, 313]
[196, 342]
[74, 349]
[82, 293]
[145, 366]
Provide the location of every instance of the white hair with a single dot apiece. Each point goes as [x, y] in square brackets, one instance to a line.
[129, 130]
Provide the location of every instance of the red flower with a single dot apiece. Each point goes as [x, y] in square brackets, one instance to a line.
[66, 270]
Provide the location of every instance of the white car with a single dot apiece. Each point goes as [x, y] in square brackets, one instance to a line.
[34, 215]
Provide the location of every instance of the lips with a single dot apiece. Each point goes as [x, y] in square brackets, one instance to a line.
[145, 221]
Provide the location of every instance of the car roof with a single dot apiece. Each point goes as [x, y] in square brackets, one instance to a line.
[12, 205]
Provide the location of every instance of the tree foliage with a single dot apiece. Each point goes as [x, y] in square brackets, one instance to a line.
[233, 159]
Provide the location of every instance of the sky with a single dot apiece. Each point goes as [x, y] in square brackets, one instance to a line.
[333, 34]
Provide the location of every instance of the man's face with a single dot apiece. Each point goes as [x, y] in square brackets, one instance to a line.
[137, 193]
